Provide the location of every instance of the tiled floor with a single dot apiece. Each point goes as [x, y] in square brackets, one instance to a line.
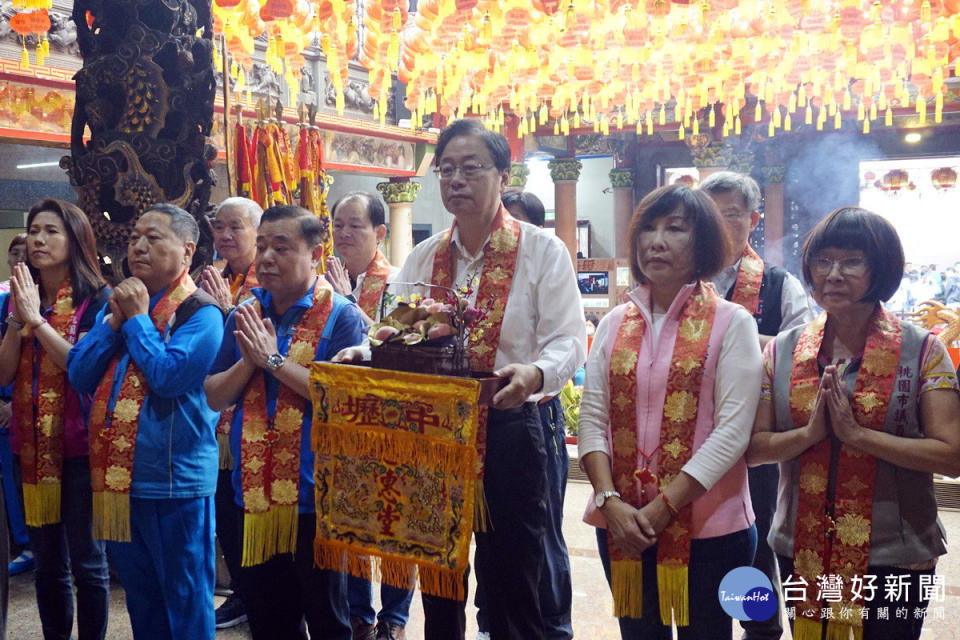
[591, 598]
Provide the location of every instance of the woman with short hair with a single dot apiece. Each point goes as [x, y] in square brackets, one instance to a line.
[860, 410]
[54, 299]
[672, 385]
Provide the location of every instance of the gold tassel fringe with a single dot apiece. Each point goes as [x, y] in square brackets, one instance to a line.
[445, 583]
[841, 631]
[41, 503]
[481, 512]
[626, 581]
[395, 571]
[673, 584]
[226, 456]
[384, 444]
[268, 534]
[111, 516]
[807, 629]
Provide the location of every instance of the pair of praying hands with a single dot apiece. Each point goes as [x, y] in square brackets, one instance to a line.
[256, 336]
[217, 286]
[24, 297]
[832, 400]
[129, 298]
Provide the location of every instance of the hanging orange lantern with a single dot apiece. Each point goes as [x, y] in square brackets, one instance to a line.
[943, 178]
[894, 181]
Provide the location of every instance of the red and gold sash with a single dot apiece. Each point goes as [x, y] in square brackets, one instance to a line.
[40, 414]
[834, 537]
[676, 446]
[499, 264]
[242, 289]
[270, 445]
[746, 290]
[113, 436]
[374, 282]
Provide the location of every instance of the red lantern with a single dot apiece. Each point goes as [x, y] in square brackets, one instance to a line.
[894, 181]
[943, 178]
[227, 4]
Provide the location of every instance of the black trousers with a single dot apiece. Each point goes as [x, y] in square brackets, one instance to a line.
[509, 556]
[229, 525]
[286, 589]
[763, 493]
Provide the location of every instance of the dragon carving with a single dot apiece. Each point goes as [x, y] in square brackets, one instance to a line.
[144, 96]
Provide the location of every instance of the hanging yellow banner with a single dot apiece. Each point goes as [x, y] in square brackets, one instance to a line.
[395, 459]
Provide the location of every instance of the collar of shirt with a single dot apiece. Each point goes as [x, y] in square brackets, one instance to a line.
[466, 266]
[726, 278]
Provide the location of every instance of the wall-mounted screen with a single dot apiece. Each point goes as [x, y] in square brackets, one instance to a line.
[593, 283]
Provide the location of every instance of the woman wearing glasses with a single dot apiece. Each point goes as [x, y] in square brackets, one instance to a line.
[860, 410]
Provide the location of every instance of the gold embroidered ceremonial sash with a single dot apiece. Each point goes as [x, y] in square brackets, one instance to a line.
[270, 445]
[113, 430]
[676, 447]
[833, 537]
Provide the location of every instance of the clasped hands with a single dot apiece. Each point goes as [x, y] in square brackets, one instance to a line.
[256, 337]
[832, 397]
[129, 298]
[635, 530]
[24, 297]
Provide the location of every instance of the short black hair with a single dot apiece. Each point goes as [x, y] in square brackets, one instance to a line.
[496, 143]
[854, 228]
[710, 240]
[532, 205]
[375, 208]
[310, 228]
[182, 223]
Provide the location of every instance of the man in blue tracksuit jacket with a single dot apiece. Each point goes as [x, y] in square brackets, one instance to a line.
[167, 567]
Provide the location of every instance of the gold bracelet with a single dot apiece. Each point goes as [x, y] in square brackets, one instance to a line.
[674, 512]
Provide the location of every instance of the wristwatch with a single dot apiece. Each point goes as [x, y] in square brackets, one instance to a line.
[275, 361]
[13, 322]
[601, 498]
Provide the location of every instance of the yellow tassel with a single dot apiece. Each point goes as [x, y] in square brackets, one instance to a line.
[268, 534]
[806, 629]
[226, 456]
[446, 583]
[41, 503]
[626, 582]
[111, 516]
[481, 512]
[24, 58]
[673, 584]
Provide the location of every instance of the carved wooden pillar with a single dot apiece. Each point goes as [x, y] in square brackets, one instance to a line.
[565, 173]
[622, 182]
[773, 210]
[399, 195]
[145, 93]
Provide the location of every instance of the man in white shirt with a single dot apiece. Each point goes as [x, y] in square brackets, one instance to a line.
[778, 302]
[358, 229]
[534, 337]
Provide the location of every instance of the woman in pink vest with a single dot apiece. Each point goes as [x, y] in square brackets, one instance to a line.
[672, 385]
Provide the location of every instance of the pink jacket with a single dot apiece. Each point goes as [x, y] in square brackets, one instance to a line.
[726, 507]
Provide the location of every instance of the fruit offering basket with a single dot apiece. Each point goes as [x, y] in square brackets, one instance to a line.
[423, 334]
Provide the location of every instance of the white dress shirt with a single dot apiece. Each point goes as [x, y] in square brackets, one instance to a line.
[794, 305]
[736, 395]
[543, 323]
